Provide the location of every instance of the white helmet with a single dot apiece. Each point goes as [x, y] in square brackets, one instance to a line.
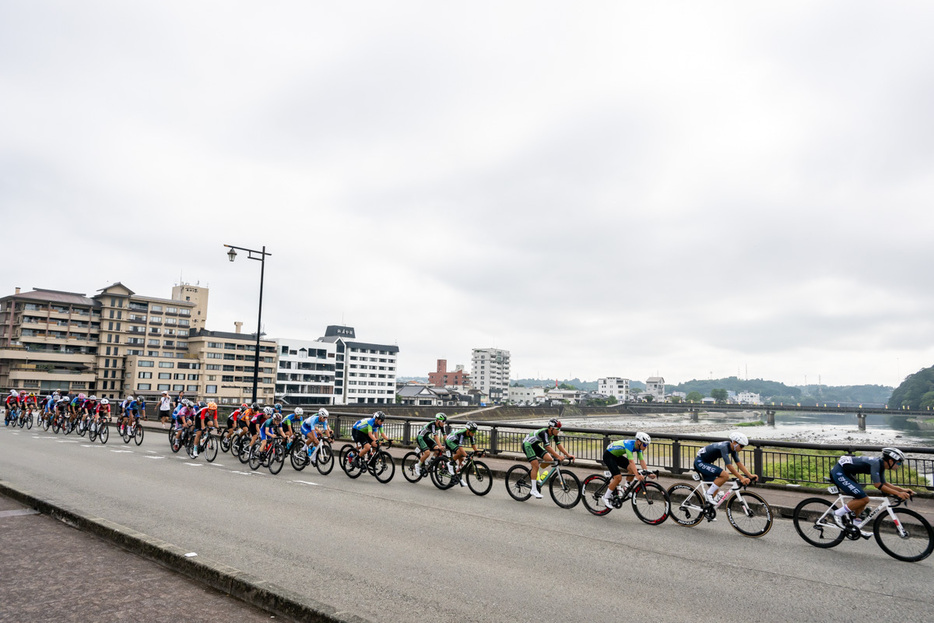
[267, 410]
[644, 438]
[893, 453]
[105, 402]
[739, 438]
[322, 413]
[299, 411]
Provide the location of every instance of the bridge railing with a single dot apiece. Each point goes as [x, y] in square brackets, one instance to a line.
[795, 463]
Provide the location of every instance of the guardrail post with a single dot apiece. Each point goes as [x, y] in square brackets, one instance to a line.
[757, 463]
[676, 457]
[494, 440]
[406, 432]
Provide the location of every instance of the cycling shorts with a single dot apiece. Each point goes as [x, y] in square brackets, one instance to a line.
[360, 437]
[533, 451]
[616, 464]
[426, 442]
[847, 485]
[708, 472]
[264, 433]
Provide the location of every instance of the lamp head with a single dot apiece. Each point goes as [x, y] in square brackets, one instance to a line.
[232, 254]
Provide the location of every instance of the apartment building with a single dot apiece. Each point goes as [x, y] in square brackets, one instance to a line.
[526, 396]
[614, 386]
[364, 372]
[490, 373]
[655, 387]
[441, 377]
[305, 372]
[227, 361]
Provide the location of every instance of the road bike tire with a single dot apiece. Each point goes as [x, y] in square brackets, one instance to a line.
[440, 476]
[276, 459]
[382, 467]
[752, 517]
[592, 490]
[244, 455]
[138, 437]
[298, 457]
[92, 433]
[46, 423]
[347, 462]
[324, 460]
[104, 434]
[565, 489]
[224, 443]
[21, 421]
[810, 526]
[175, 442]
[29, 422]
[190, 446]
[210, 449]
[125, 433]
[256, 458]
[686, 505]
[519, 483]
[479, 478]
[650, 503]
[409, 461]
[914, 547]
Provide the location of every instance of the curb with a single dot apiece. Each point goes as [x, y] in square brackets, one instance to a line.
[229, 580]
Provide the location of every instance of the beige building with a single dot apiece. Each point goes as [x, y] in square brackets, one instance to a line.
[227, 363]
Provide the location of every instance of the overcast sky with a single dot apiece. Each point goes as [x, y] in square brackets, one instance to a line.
[602, 188]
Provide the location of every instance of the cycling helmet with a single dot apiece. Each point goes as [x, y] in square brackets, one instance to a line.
[893, 453]
[323, 413]
[105, 402]
[93, 397]
[644, 438]
[128, 398]
[267, 410]
[202, 404]
[554, 423]
[278, 406]
[212, 406]
[12, 392]
[186, 402]
[254, 406]
[244, 406]
[440, 417]
[379, 415]
[471, 426]
[299, 411]
[82, 397]
[739, 438]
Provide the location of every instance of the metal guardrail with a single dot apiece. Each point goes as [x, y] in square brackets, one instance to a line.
[793, 462]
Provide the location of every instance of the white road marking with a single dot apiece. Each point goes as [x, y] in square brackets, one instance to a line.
[302, 482]
[194, 464]
[123, 451]
[153, 457]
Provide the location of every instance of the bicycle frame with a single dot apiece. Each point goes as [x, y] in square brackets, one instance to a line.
[877, 505]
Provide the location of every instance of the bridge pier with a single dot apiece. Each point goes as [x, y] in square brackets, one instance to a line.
[694, 415]
[770, 417]
[861, 421]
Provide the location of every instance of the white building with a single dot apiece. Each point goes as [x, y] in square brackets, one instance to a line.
[614, 386]
[748, 398]
[306, 372]
[364, 373]
[655, 387]
[525, 396]
[490, 373]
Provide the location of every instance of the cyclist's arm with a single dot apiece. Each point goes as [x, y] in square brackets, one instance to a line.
[894, 490]
[565, 452]
[742, 467]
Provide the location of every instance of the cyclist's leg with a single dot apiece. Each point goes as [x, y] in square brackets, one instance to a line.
[848, 486]
[616, 470]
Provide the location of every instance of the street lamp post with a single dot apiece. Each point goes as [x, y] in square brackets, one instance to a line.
[260, 256]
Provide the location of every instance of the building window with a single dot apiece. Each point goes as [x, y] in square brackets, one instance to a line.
[166, 364]
[146, 386]
[210, 389]
[145, 375]
[165, 376]
[162, 387]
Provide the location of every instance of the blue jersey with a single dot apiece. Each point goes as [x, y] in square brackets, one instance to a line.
[624, 448]
[367, 425]
[852, 465]
[717, 451]
[288, 419]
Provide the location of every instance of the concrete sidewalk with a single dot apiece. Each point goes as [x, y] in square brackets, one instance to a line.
[53, 572]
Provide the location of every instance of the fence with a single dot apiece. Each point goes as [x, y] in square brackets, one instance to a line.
[791, 462]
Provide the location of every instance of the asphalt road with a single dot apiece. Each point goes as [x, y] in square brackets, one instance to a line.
[403, 552]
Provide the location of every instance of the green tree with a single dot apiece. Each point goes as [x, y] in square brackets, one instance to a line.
[695, 396]
[719, 395]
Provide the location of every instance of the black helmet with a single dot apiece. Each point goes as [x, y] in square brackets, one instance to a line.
[379, 415]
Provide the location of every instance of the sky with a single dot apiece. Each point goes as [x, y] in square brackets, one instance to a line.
[691, 190]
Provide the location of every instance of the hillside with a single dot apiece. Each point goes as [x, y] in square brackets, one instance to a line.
[915, 392]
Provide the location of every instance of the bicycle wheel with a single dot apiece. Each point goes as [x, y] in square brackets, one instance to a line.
[519, 483]
[138, 437]
[104, 433]
[244, 455]
[298, 457]
[225, 443]
[92, 433]
[687, 507]
[409, 461]
[324, 460]
[276, 459]
[348, 463]
[210, 449]
[650, 503]
[479, 478]
[813, 519]
[910, 539]
[592, 491]
[125, 433]
[441, 476]
[751, 516]
[29, 421]
[565, 489]
[382, 467]
[256, 458]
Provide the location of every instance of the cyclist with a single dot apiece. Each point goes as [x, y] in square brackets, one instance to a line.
[847, 467]
[183, 417]
[618, 457]
[233, 421]
[365, 432]
[540, 446]
[455, 444]
[310, 431]
[428, 439]
[269, 429]
[11, 404]
[129, 407]
[205, 418]
[257, 420]
[728, 451]
[290, 422]
[102, 413]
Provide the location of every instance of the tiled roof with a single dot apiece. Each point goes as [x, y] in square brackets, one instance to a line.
[56, 296]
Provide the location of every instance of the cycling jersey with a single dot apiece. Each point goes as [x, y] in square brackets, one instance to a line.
[717, 451]
[290, 419]
[431, 429]
[312, 422]
[541, 437]
[624, 448]
[367, 425]
[458, 438]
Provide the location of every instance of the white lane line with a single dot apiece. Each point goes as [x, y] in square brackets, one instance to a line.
[302, 482]
[123, 451]
[215, 464]
[194, 464]
[154, 457]
[68, 441]
[233, 471]
[151, 451]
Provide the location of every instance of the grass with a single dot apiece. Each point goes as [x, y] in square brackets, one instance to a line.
[756, 423]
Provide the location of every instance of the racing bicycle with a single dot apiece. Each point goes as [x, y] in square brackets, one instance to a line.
[564, 486]
[649, 499]
[748, 512]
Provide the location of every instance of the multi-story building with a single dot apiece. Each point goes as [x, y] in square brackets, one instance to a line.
[526, 396]
[49, 341]
[614, 386]
[655, 387]
[228, 361]
[305, 373]
[67, 341]
[364, 373]
[490, 373]
[442, 378]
